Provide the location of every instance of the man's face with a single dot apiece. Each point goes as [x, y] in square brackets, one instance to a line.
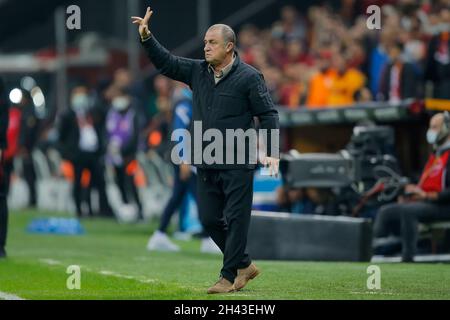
[436, 122]
[215, 46]
[395, 53]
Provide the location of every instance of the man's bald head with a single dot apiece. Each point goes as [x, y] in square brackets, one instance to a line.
[437, 121]
[227, 33]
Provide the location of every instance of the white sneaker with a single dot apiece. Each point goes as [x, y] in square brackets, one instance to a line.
[182, 236]
[159, 241]
[209, 246]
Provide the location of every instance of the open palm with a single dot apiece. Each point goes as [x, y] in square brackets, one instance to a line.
[143, 23]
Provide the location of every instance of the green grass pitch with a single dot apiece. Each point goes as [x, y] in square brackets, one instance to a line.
[114, 264]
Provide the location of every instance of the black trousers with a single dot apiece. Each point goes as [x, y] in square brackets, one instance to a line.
[180, 189]
[125, 182]
[91, 162]
[225, 203]
[405, 217]
[29, 175]
[5, 173]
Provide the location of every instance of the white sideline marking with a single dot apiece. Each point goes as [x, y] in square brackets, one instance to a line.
[9, 296]
[103, 272]
[373, 292]
[123, 276]
[51, 262]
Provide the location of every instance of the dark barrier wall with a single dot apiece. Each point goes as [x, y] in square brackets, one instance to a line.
[282, 236]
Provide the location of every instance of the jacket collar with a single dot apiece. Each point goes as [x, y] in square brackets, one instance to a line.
[236, 62]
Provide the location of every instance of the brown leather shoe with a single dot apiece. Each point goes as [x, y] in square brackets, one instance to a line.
[245, 275]
[221, 286]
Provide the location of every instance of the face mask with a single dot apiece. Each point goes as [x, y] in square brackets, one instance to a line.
[120, 103]
[432, 136]
[80, 102]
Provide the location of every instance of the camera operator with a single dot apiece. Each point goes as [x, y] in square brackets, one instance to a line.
[425, 202]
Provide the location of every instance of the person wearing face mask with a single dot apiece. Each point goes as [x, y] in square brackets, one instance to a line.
[425, 202]
[81, 143]
[122, 126]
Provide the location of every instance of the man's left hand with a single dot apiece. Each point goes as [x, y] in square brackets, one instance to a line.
[272, 164]
[417, 194]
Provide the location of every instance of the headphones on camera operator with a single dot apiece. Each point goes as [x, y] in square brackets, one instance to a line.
[445, 131]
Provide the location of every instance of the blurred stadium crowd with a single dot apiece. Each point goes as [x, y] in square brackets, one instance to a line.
[329, 58]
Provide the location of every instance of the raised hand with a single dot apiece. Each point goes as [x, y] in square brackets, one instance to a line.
[143, 23]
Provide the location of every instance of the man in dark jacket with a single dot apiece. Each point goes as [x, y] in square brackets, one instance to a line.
[28, 138]
[227, 94]
[82, 143]
[437, 68]
[399, 80]
[4, 116]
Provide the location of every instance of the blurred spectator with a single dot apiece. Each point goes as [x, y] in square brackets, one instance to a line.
[363, 95]
[157, 130]
[295, 53]
[247, 38]
[122, 126]
[399, 80]
[29, 134]
[379, 59]
[347, 81]
[293, 26]
[294, 201]
[274, 78]
[306, 201]
[12, 135]
[295, 89]
[123, 80]
[81, 142]
[438, 58]
[13, 121]
[321, 83]
[4, 115]
[276, 52]
[102, 95]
